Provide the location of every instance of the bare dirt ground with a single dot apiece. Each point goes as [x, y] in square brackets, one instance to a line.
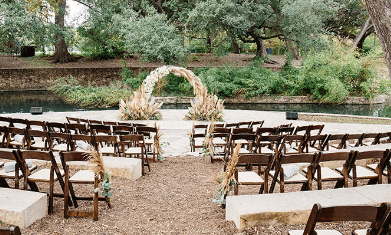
[174, 198]
[194, 60]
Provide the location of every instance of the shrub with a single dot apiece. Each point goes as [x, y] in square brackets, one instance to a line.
[69, 89]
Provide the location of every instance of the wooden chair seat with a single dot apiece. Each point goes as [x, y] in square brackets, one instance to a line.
[328, 174]
[244, 151]
[219, 142]
[11, 174]
[83, 177]
[374, 166]
[107, 150]
[362, 173]
[60, 147]
[249, 178]
[266, 150]
[318, 232]
[133, 150]
[43, 175]
[149, 141]
[38, 145]
[297, 178]
[360, 232]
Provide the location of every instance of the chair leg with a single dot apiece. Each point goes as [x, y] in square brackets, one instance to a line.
[95, 213]
[51, 189]
[66, 193]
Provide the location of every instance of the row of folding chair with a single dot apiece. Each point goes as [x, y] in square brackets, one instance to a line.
[305, 168]
[133, 145]
[378, 216]
[58, 171]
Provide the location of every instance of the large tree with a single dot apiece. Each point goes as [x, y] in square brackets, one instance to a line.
[299, 21]
[380, 12]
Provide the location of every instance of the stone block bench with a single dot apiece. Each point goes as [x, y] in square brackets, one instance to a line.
[22, 208]
[295, 207]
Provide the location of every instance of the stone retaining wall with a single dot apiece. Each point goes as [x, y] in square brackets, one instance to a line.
[43, 78]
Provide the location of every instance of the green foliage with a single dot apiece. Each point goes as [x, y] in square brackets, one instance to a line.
[154, 39]
[69, 89]
[333, 75]
[249, 81]
[176, 86]
[129, 79]
[103, 37]
[198, 46]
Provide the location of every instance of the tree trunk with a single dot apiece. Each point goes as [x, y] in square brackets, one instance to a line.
[380, 13]
[363, 34]
[235, 46]
[261, 48]
[61, 54]
[293, 50]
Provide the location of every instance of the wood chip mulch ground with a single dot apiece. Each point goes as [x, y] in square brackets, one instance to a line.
[174, 198]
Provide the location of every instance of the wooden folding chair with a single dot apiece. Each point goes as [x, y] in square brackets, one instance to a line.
[301, 130]
[251, 177]
[77, 128]
[3, 136]
[59, 141]
[10, 231]
[72, 120]
[354, 140]
[106, 144]
[231, 125]
[134, 145]
[18, 122]
[268, 143]
[323, 173]
[98, 129]
[316, 143]
[84, 121]
[36, 125]
[337, 142]
[293, 144]
[37, 140]
[15, 175]
[363, 173]
[56, 127]
[95, 122]
[374, 214]
[315, 129]
[220, 137]
[150, 139]
[81, 143]
[123, 130]
[82, 177]
[244, 125]
[110, 123]
[49, 176]
[16, 138]
[370, 138]
[5, 121]
[197, 141]
[285, 130]
[256, 124]
[289, 162]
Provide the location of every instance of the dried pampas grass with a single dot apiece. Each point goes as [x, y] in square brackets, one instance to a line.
[208, 144]
[140, 107]
[157, 145]
[206, 107]
[96, 160]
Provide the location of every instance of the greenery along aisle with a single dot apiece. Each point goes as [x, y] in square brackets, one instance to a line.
[142, 105]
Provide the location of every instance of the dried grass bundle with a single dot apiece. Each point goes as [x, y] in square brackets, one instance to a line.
[228, 177]
[96, 160]
[140, 107]
[206, 107]
[208, 144]
[156, 143]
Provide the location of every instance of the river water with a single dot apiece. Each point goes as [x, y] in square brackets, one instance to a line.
[22, 101]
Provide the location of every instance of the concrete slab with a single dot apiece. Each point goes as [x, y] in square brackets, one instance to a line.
[22, 208]
[295, 207]
[378, 193]
[129, 168]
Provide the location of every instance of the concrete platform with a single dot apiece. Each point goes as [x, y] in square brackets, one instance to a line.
[129, 168]
[22, 208]
[295, 207]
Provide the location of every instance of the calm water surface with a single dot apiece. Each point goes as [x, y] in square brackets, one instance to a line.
[21, 102]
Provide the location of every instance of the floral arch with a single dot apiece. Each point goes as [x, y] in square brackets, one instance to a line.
[142, 106]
